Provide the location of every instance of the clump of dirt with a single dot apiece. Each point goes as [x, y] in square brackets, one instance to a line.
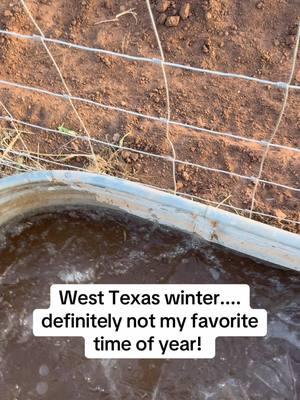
[254, 38]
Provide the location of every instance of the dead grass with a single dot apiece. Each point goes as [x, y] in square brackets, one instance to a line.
[16, 155]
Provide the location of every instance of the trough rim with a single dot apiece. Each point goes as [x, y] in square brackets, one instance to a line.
[233, 231]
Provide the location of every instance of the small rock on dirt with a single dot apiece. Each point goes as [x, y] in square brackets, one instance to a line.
[162, 19]
[185, 176]
[75, 146]
[290, 40]
[134, 157]
[179, 185]
[116, 138]
[208, 15]
[280, 214]
[7, 13]
[108, 4]
[185, 11]
[205, 48]
[173, 21]
[126, 156]
[163, 5]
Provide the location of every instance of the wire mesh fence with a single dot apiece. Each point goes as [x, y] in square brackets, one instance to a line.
[252, 174]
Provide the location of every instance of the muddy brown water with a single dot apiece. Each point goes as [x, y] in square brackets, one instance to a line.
[104, 246]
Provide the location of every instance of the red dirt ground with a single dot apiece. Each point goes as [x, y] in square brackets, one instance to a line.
[254, 38]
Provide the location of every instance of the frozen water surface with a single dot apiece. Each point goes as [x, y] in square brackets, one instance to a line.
[108, 247]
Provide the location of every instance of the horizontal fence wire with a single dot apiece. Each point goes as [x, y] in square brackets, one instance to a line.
[15, 165]
[38, 158]
[41, 38]
[129, 57]
[279, 120]
[21, 167]
[145, 153]
[144, 116]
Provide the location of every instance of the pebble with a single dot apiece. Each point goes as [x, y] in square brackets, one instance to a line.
[108, 4]
[75, 146]
[185, 11]
[134, 157]
[44, 370]
[179, 185]
[162, 19]
[125, 154]
[163, 5]
[290, 40]
[173, 21]
[42, 388]
[208, 15]
[294, 30]
[205, 49]
[129, 156]
[116, 138]
[280, 214]
[7, 13]
[259, 5]
[185, 176]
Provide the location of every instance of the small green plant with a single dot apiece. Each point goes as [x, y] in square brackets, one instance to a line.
[121, 142]
[67, 131]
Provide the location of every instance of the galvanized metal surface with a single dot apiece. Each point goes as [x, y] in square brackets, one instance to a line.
[25, 193]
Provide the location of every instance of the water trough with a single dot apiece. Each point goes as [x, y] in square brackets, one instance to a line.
[34, 191]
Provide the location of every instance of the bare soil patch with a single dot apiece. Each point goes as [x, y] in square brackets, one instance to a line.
[254, 38]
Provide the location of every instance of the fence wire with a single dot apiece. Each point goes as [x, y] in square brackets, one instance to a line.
[71, 45]
[36, 159]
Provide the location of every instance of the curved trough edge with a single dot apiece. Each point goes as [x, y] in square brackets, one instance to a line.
[29, 191]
